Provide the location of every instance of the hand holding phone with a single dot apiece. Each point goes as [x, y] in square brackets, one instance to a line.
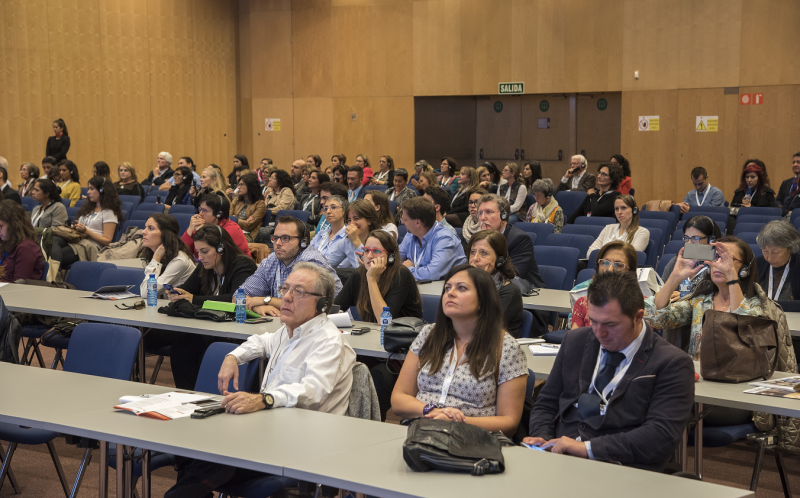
[170, 289]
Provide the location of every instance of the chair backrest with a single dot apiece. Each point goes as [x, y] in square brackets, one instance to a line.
[533, 237]
[401, 232]
[527, 323]
[355, 314]
[760, 211]
[721, 216]
[664, 261]
[393, 207]
[569, 201]
[28, 203]
[458, 231]
[141, 214]
[747, 227]
[542, 230]
[85, 275]
[79, 202]
[103, 349]
[72, 212]
[669, 216]
[66, 202]
[381, 188]
[662, 225]
[795, 215]
[295, 213]
[565, 257]
[650, 254]
[584, 275]
[591, 230]
[150, 208]
[183, 220]
[757, 218]
[183, 209]
[133, 223]
[209, 369]
[122, 276]
[267, 218]
[84, 190]
[45, 269]
[749, 237]
[581, 242]
[133, 199]
[430, 308]
[600, 221]
[673, 247]
[553, 276]
[657, 236]
[694, 210]
[721, 224]
[756, 250]
[153, 198]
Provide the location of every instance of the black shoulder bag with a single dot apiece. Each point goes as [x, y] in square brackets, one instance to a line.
[400, 334]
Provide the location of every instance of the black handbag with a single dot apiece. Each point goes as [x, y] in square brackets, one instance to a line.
[452, 447]
[185, 309]
[399, 335]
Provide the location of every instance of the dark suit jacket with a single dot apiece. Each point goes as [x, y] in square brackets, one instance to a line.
[783, 192]
[765, 198]
[646, 414]
[520, 249]
[158, 180]
[588, 181]
[11, 194]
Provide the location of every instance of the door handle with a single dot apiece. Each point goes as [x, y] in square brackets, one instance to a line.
[516, 153]
[480, 154]
[559, 154]
[522, 154]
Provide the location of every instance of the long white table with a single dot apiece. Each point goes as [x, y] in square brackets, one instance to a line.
[546, 300]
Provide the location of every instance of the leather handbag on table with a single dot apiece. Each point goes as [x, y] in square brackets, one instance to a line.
[737, 348]
[400, 334]
[68, 234]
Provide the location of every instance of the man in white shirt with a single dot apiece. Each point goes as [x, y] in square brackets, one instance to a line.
[577, 178]
[309, 366]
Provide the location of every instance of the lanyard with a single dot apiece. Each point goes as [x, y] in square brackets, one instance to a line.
[309, 202]
[278, 279]
[610, 384]
[381, 176]
[697, 198]
[36, 218]
[277, 367]
[450, 373]
[418, 257]
[780, 284]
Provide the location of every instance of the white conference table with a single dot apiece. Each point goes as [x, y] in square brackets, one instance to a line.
[547, 300]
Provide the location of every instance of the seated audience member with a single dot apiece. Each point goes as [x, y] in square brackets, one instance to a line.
[280, 192]
[100, 168]
[546, 208]
[440, 198]
[69, 182]
[179, 191]
[427, 179]
[489, 369]
[758, 162]
[752, 190]
[633, 406]
[577, 178]
[704, 194]
[263, 171]
[214, 210]
[167, 256]
[336, 160]
[381, 204]
[385, 175]
[514, 191]
[28, 172]
[487, 251]
[311, 201]
[212, 181]
[789, 188]
[467, 182]
[428, 250]
[248, 206]
[240, 163]
[291, 245]
[531, 172]
[625, 184]
[50, 212]
[326, 191]
[309, 366]
[779, 264]
[400, 192]
[626, 229]
[332, 242]
[420, 167]
[354, 177]
[128, 184]
[362, 219]
[48, 163]
[600, 199]
[493, 213]
[340, 174]
[448, 179]
[698, 229]
[7, 190]
[238, 174]
[184, 162]
[362, 161]
[296, 173]
[485, 178]
[472, 224]
[20, 256]
[162, 172]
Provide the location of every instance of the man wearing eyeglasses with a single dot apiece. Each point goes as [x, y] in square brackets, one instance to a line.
[291, 245]
[309, 365]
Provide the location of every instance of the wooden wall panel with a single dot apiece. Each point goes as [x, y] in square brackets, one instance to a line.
[353, 137]
[271, 52]
[313, 133]
[393, 129]
[485, 56]
[437, 47]
[709, 43]
[277, 145]
[769, 42]
[312, 34]
[593, 50]
[598, 132]
[650, 44]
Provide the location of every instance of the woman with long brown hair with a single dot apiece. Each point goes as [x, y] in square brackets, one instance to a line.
[468, 181]
[20, 256]
[381, 203]
[168, 257]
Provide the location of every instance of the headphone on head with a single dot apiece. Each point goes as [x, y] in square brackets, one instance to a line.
[500, 262]
[635, 209]
[744, 271]
[304, 241]
[322, 303]
[101, 186]
[218, 213]
[220, 247]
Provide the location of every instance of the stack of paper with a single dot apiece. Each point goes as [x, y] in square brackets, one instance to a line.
[787, 387]
[166, 406]
[544, 349]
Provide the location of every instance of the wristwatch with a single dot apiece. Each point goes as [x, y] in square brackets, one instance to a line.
[428, 408]
[267, 299]
[268, 400]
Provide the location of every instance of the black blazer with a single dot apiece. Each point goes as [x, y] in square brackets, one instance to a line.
[520, 249]
[11, 194]
[646, 414]
[765, 198]
[57, 148]
[597, 205]
[783, 192]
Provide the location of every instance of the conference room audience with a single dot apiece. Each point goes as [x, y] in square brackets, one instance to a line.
[420, 167]
[100, 168]
[310, 370]
[790, 187]
[128, 183]
[514, 191]
[98, 218]
[467, 182]
[633, 406]
[167, 256]
[440, 198]
[779, 265]
[626, 229]
[753, 190]
[698, 229]
[214, 210]
[162, 171]
[472, 224]
[20, 256]
[486, 182]
[577, 178]
[355, 185]
[333, 242]
[28, 172]
[187, 162]
[428, 249]
[280, 192]
[625, 184]
[310, 202]
[704, 194]
[487, 251]
[179, 191]
[600, 199]
[326, 191]
[362, 161]
[385, 174]
[531, 172]
[48, 163]
[291, 245]
[381, 204]
[212, 181]
[448, 179]
[546, 208]
[58, 145]
[489, 371]
[50, 212]
[248, 206]
[70, 182]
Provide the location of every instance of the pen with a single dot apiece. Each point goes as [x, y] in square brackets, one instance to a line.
[555, 346]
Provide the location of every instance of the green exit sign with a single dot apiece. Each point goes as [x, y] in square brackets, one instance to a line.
[511, 88]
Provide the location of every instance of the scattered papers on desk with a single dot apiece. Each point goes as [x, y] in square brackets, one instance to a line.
[785, 384]
[524, 341]
[167, 406]
[114, 292]
[774, 392]
[544, 349]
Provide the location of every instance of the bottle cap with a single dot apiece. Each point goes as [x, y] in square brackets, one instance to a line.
[385, 308]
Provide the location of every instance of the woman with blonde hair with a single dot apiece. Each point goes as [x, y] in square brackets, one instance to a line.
[420, 167]
[128, 183]
[514, 191]
[212, 181]
[468, 181]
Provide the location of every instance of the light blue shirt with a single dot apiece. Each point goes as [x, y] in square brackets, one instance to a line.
[353, 194]
[433, 257]
[711, 196]
[195, 176]
[339, 251]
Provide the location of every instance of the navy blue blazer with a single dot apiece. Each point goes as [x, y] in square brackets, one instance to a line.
[520, 250]
[646, 414]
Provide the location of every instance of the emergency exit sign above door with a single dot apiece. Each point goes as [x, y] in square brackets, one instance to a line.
[511, 88]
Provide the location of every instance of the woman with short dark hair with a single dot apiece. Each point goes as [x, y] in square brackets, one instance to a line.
[600, 199]
[100, 168]
[280, 192]
[20, 256]
[51, 211]
[448, 180]
[625, 184]
[310, 201]
[531, 173]
[29, 172]
[248, 206]
[179, 192]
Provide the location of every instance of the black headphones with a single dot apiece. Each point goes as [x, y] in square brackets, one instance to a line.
[744, 271]
[218, 213]
[322, 303]
[304, 241]
[504, 215]
[635, 209]
[500, 262]
[220, 247]
[390, 259]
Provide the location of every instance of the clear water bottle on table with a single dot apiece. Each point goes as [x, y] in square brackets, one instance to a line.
[386, 320]
[241, 306]
[152, 291]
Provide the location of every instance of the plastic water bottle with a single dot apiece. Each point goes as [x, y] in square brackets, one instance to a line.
[241, 306]
[386, 320]
[685, 288]
[152, 291]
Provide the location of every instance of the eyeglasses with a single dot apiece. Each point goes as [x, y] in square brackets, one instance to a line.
[283, 238]
[605, 263]
[139, 305]
[375, 251]
[473, 203]
[296, 292]
[693, 240]
[330, 208]
[241, 184]
[204, 211]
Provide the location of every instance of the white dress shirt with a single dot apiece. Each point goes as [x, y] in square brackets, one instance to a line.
[177, 272]
[317, 372]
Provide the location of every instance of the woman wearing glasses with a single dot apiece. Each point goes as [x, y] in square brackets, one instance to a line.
[697, 230]
[546, 208]
[248, 206]
[472, 224]
[626, 229]
[214, 209]
[600, 199]
[332, 242]
[179, 191]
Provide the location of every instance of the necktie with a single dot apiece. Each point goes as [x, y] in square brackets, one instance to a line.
[589, 403]
[794, 187]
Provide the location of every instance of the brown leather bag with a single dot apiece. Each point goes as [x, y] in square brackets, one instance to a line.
[68, 234]
[737, 348]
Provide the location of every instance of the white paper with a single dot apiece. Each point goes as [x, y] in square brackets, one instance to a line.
[526, 341]
[341, 320]
[544, 349]
[165, 403]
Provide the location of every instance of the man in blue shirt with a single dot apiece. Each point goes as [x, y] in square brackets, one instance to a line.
[703, 193]
[354, 176]
[429, 250]
[292, 244]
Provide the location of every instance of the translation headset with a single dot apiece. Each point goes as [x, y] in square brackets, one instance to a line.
[220, 247]
[304, 241]
[500, 262]
[635, 209]
[744, 271]
[390, 259]
[504, 214]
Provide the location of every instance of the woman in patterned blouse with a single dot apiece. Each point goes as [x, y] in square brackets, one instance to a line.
[465, 367]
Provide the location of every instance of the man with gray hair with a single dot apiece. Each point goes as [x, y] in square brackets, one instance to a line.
[577, 178]
[309, 365]
[162, 171]
[779, 264]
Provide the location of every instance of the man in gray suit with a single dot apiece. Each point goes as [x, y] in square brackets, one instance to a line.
[618, 392]
[577, 178]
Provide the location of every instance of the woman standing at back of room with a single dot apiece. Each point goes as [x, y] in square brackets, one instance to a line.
[58, 144]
